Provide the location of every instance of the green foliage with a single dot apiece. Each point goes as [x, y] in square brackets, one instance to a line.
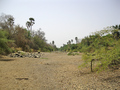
[105, 51]
[70, 53]
[105, 58]
[24, 39]
[4, 49]
[73, 53]
[101, 49]
[69, 47]
[22, 53]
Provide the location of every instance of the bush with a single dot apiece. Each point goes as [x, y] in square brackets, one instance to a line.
[105, 58]
[4, 48]
[73, 53]
[18, 49]
[13, 49]
[31, 50]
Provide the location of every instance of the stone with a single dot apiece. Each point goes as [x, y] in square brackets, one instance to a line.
[21, 56]
[38, 52]
[17, 55]
[26, 54]
[36, 56]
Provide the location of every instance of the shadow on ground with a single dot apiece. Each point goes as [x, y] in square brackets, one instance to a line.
[112, 79]
[2, 59]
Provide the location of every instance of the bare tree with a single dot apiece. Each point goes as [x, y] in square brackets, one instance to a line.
[6, 21]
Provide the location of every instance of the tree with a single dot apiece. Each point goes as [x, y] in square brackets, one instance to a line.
[40, 34]
[116, 31]
[11, 22]
[53, 42]
[4, 48]
[71, 40]
[28, 24]
[32, 21]
[6, 21]
[76, 38]
[116, 27]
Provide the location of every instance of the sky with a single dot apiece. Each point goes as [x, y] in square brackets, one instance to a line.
[63, 20]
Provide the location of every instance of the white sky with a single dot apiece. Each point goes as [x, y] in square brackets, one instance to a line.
[63, 20]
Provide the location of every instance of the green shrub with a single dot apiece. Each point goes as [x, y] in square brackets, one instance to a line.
[73, 53]
[4, 48]
[22, 53]
[70, 53]
[105, 58]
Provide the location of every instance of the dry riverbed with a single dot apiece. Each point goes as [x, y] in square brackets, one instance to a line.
[53, 71]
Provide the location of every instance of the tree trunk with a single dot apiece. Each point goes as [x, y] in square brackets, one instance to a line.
[91, 65]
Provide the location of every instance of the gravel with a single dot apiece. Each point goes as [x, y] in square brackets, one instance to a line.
[53, 71]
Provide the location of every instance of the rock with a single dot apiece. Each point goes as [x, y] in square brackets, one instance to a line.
[20, 52]
[36, 56]
[11, 55]
[38, 52]
[21, 56]
[26, 54]
[17, 55]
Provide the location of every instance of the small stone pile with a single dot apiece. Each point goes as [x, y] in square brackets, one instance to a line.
[23, 54]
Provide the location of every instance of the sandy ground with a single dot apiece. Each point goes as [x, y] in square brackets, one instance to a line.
[53, 71]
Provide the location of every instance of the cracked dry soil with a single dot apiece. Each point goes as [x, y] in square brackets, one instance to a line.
[53, 71]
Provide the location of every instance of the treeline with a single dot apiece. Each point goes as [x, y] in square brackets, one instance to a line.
[102, 46]
[14, 37]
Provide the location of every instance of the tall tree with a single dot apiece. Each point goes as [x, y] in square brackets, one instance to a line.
[6, 21]
[32, 21]
[11, 22]
[71, 40]
[76, 38]
[116, 31]
[53, 42]
[28, 25]
[4, 48]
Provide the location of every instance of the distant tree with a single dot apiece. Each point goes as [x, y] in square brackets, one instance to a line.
[116, 31]
[76, 38]
[53, 42]
[4, 48]
[11, 22]
[6, 21]
[32, 21]
[71, 40]
[116, 27]
[28, 25]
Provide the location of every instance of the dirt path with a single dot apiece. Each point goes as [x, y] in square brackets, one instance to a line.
[53, 71]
